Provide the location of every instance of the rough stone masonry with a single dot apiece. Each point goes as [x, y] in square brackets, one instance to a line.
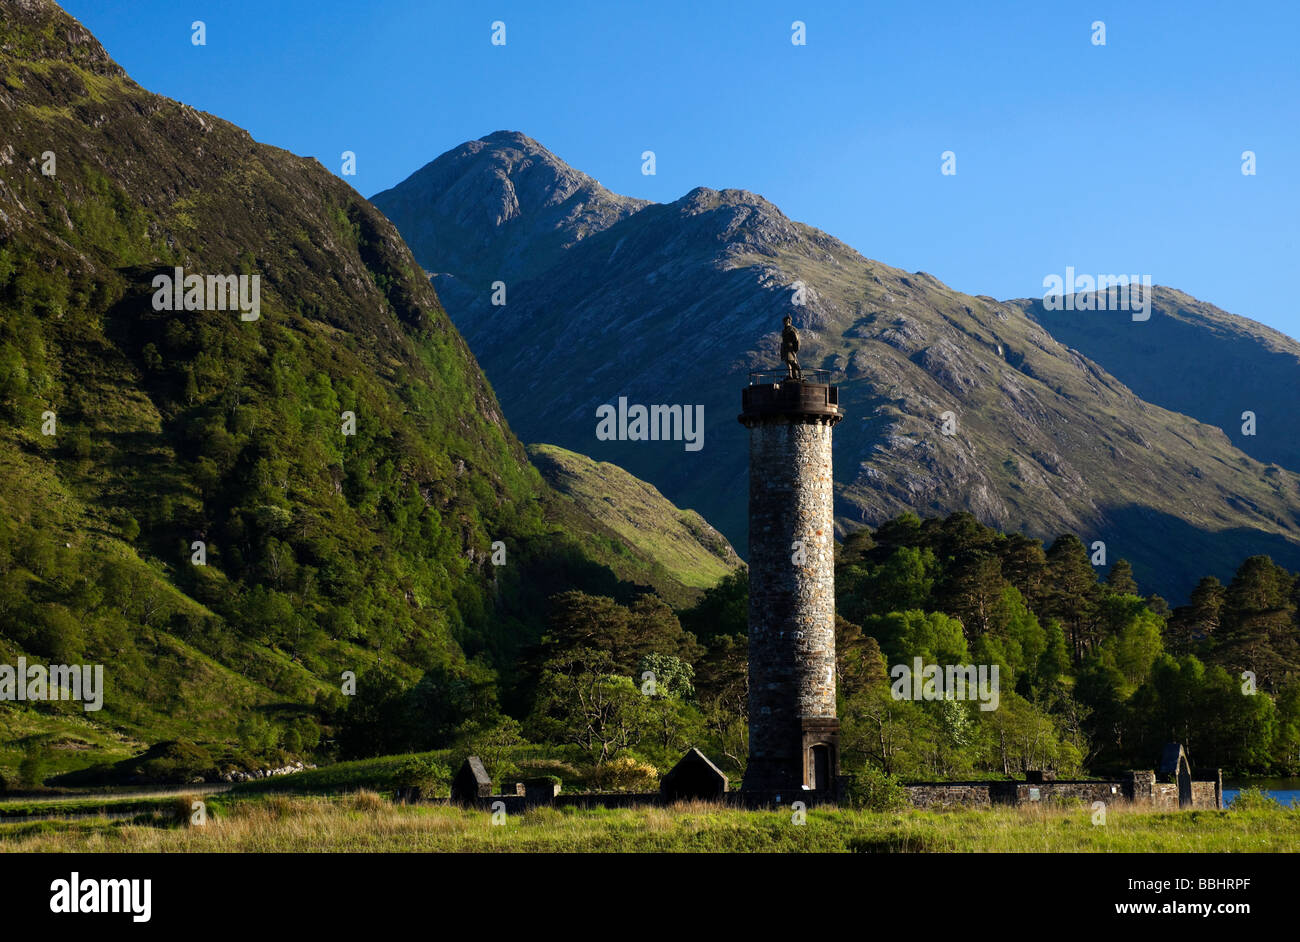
[793, 729]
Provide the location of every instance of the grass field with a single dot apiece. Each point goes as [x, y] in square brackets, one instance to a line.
[367, 822]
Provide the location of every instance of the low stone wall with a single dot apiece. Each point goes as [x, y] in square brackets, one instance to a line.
[1207, 794]
[951, 794]
[1138, 788]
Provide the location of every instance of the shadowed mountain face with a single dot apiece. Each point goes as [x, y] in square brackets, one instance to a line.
[1194, 358]
[675, 303]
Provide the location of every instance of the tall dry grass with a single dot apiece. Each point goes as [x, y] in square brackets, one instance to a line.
[366, 822]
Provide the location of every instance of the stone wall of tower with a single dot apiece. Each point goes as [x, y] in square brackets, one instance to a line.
[791, 593]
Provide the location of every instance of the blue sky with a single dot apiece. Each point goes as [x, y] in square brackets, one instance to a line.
[1123, 158]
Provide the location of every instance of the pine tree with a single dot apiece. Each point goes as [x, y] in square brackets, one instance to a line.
[1120, 578]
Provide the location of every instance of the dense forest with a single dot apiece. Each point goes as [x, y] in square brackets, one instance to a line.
[1094, 677]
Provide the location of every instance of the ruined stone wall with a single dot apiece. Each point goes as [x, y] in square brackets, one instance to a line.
[791, 590]
[1160, 796]
[1206, 794]
[951, 795]
[1164, 797]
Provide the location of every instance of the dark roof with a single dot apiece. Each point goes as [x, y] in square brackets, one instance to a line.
[1170, 758]
[694, 758]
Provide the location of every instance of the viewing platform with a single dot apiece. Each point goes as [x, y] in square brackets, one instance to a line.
[770, 394]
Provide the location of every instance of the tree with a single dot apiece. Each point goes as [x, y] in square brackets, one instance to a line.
[1258, 631]
[1135, 647]
[1071, 592]
[722, 693]
[1120, 578]
[672, 677]
[933, 637]
[1024, 565]
[581, 699]
[1024, 738]
[1016, 642]
[625, 633]
[723, 609]
[973, 593]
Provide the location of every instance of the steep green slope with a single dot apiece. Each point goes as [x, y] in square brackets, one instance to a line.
[130, 436]
[675, 303]
[691, 551]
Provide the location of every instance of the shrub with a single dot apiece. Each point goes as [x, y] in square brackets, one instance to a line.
[174, 761]
[626, 774]
[873, 789]
[183, 810]
[431, 778]
[364, 799]
[1254, 799]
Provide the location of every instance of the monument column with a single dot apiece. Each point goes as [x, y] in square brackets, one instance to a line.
[793, 729]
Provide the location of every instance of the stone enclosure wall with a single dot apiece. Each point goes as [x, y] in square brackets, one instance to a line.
[1139, 788]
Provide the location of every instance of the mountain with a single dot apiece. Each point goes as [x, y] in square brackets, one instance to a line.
[1195, 358]
[675, 304]
[230, 505]
[524, 206]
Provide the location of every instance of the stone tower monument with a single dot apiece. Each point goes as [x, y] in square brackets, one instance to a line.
[793, 729]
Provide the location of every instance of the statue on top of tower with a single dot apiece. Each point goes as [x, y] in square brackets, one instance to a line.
[790, 350]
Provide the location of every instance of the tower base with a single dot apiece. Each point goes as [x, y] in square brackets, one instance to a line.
[810, 764]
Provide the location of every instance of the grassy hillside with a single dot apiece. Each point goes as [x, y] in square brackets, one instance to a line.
[692, 552]
[1238, 364]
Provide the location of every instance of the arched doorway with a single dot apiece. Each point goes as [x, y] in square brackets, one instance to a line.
[1184, 783]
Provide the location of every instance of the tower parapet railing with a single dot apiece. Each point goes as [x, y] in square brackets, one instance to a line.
[776, 377]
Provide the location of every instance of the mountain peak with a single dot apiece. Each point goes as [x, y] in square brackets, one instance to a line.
[511, 192]
[514, 138]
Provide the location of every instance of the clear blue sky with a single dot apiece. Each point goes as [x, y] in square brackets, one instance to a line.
[1117, 159]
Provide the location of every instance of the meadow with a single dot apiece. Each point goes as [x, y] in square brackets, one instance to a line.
[367, 821]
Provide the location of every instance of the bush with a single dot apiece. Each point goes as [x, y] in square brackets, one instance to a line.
[184, 812]
[175, 762]
[1254, 799]
[431, 778]
[626, 774]
[873, 789]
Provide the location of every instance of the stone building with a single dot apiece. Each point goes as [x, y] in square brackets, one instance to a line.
[793, 729]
